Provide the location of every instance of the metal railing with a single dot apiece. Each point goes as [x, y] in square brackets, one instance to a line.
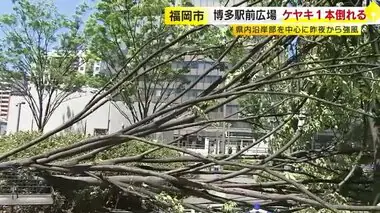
[194, 146]
[24, 187]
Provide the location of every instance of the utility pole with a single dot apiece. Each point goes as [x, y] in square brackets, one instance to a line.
[31, 126]
[19, 115]
[109, 117]
[223, 142]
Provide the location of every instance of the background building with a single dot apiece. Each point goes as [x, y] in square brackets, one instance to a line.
[106, 118]
[5, 94]
[235, 135]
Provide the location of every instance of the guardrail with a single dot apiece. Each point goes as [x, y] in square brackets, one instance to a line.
[23, 187]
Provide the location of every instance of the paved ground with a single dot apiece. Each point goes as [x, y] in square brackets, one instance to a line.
[203, 202]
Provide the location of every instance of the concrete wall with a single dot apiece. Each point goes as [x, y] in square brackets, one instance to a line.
[73, 105]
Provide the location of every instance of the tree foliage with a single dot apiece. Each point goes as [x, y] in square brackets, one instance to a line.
[123, 34]
[38, 55]
[77, 198]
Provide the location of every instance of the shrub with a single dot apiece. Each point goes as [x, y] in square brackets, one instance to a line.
[71, 198]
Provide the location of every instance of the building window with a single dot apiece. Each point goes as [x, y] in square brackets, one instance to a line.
[211, 79]
[231, 109]
[201, 66]
[192, 142]
[192, 93]
[191, 78]
[207, 66]
[217, 110]
[191, 64]
[100, 131]
[240, 125]
[179, 90]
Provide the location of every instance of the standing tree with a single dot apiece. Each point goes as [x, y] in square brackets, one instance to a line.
[123, 34]
[39, 55]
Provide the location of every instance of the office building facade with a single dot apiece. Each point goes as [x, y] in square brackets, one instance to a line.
[5, 95]
[235, 135]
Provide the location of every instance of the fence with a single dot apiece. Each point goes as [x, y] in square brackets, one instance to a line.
[20, 187]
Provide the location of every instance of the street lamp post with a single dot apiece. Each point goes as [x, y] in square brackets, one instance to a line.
[109, 117]
[222, 148]
[19, 115]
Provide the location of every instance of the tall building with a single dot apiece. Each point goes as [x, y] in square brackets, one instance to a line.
[235, 135]
[83, 65]
[4, 103]
[5, 94]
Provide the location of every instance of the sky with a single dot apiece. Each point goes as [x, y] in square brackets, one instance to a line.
[66, 7]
